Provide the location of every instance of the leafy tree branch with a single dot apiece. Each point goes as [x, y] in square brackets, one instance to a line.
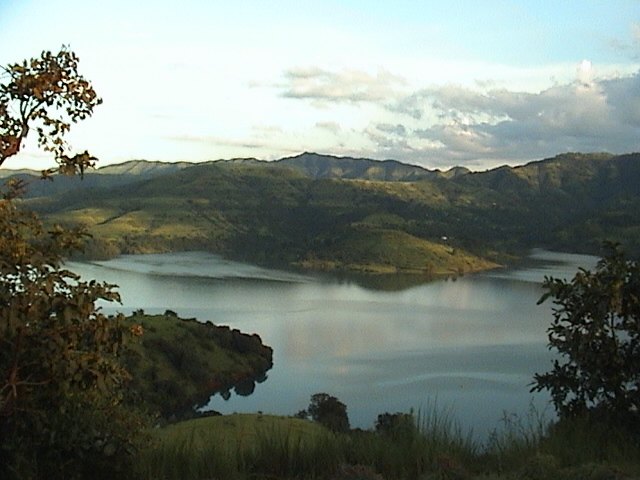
[45, 94]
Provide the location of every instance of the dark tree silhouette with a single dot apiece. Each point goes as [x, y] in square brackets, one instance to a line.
[61, 381]
[329, 411]
[596, 331]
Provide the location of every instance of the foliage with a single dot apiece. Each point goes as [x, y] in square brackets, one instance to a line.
[596, 330]
[395, 424]
[257, 446]
[179, 363]
[46, 94]
[61, 383]
[329, 412]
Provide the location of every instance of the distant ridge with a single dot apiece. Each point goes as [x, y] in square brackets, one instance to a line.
[142, 167]
[311, 165]
[315, 165]
[324, 212]
[6, 172]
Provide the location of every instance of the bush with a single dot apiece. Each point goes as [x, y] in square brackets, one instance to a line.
[596, 330]
[329, 411]
[395, 424]
[62, 381]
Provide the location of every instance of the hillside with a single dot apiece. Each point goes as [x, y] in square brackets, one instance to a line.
[179, 363]
[325, 212]
[308, 164]
[325, 166]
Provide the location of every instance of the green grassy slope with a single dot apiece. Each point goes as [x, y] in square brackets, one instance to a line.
[275, 216]
[178, 363]
[256, 446]
[282, 216]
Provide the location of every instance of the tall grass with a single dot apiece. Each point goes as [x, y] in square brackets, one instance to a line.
[517, 438]
[279, 452]
[433, 440]
[189, 457]
[430, 446]
[269, 449]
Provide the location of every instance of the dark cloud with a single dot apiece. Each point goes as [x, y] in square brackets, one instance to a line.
[601, 115]
[399, 130]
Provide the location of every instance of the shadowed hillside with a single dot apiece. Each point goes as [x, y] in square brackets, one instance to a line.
[334, 213]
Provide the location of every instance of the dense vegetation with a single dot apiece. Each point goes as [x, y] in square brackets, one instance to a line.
[177, 364]
[74, 383]
[426, 445]
[325, 213]
[62, 413]
[596, 331]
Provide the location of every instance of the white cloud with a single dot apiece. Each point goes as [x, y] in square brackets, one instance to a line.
[603, 115]
[333, 127]
[376, 116]
[585, 72]
[351, 86]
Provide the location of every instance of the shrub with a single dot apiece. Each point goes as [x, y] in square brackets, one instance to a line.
[596, 331]
[329, 411]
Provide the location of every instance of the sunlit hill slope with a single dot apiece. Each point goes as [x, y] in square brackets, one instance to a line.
[326, 212]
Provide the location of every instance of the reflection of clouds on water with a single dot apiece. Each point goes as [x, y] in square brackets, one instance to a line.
[458, 380]
[543, 263]
[475, 342]
[471, 311]
[197, 264]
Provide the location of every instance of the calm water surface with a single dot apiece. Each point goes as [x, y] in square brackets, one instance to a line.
[469, 345]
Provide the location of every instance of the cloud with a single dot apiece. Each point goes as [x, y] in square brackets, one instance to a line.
[479, 126]
[585, 72]
[632, 48]
[586, 115]
[399, 130]
[332, 127]
[348, 86]
[623, 96]
[388, 142]
[212, 141]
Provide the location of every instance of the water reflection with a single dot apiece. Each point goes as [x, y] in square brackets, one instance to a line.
[474, 343]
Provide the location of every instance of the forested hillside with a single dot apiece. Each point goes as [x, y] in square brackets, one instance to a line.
[325, 212]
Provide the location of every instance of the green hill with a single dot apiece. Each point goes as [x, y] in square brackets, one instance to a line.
[326, 212]
[179, 363]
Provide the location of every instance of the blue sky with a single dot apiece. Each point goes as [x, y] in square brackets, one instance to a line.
[475, 83]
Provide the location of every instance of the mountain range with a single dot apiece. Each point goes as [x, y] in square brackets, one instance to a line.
[319, 211]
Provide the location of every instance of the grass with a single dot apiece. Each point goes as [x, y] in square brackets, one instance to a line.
[432, 447]
[365, 247]
[240, 446]
[179, 362]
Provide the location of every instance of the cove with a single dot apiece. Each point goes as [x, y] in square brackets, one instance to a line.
[469, 345]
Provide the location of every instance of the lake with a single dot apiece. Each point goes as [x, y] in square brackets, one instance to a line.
[469, 346]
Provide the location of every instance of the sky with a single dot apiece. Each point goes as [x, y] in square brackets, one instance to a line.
[476, 83]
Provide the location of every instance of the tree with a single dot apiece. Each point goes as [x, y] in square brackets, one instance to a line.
[395, 424]
[329, 411]
[61, 381]
[47, 95]
[596, 331]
